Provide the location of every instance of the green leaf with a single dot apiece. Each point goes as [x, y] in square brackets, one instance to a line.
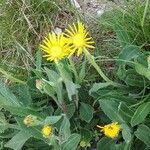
[64, 130]
[122, 34]
[110, 108]
[71, 88]
[9, 76]
[142, 70]
[67, 78]
[72, 142]
[54, 143]
[97, 86]
[55, 81]
[128, 53]
[2, 118]
[82, 72]
[140, 114]
[126, 133]
[22, 91]
[125, 112]
[18, 140]
[49, 89]
[70, 110]
[106, 144]
[86, 135]
[86, 112]
[21, 111]
[33, 131]
[124, 146]
[143, 133]
[38, 59]
[134, 79]
[147, 148]
[3, 123]
[7, 97]
[52, 119]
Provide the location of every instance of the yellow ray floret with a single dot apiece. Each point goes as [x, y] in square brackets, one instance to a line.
[79, 38]
[55, 47]
[110, 130]
[47, 131]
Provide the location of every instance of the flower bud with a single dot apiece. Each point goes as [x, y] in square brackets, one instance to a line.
[39, 84]
[30, 120]
[84, 144]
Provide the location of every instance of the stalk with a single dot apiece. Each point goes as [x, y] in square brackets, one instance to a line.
[73, 69]
[92, 61]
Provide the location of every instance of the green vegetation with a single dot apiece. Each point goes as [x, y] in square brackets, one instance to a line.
[58, 105]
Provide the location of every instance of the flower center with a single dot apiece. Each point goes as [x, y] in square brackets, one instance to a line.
[56, 51]
[78, 40]
[47, 131]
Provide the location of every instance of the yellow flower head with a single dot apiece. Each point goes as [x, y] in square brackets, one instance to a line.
[47, 131]
[78, 38]
[55, 47]
[110, 130]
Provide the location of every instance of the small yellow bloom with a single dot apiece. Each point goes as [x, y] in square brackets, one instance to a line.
[29, 120]
[110, 130]
[55, 47]
[79, 38]
[47, 131]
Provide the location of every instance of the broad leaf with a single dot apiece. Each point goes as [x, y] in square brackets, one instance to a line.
[55, 81]
[128, 53]
[110, 108]
[122, 34]
[7, 97]
[97, 86]
[106, 144]
[18, 140]
[143, 133]
[142, 70]
[65, 129]
[140, 114]
[71, 88]
[126, 133]
[86, 112]
[125, 112]
[51, 119]
[72, 142]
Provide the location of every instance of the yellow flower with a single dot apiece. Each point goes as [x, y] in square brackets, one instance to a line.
[110, 130]
[55, 47]
[47, 131]
[79, 38]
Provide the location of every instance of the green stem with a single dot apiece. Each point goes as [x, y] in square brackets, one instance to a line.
[64, 77]
[73, 69]
[145, 12]
[92, 61]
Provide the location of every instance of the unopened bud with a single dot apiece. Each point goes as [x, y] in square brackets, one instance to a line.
[39, 84]
[84, 144]
[30, 120]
